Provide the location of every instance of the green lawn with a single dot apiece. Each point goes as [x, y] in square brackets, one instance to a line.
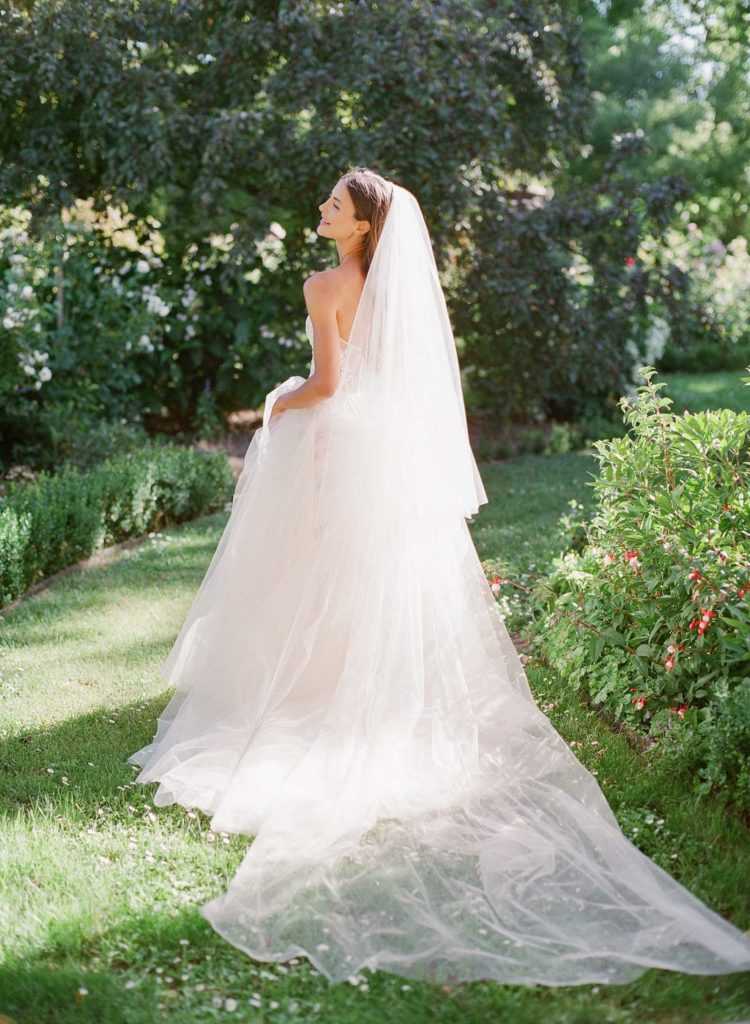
[100, 890]
[696, 391]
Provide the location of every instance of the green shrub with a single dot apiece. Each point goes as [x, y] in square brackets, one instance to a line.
[57, 520]
[651, 616]
[728, 747]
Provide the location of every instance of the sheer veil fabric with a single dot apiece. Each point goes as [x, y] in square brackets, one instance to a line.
[347, 693]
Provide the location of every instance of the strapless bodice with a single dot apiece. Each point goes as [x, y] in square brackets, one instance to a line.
[309, 331]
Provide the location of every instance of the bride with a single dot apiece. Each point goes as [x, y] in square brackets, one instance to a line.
[346, 691]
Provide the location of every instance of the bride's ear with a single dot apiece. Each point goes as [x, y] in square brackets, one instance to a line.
[363, 226]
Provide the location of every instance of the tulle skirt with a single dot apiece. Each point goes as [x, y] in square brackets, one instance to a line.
[346, 692]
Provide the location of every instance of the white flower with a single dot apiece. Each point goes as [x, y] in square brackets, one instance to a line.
[142, 267]
[230, 1005]
[8, 323]
[12, 287]
[125, 267]
[45, 373]
[29, 370]
[27, 291]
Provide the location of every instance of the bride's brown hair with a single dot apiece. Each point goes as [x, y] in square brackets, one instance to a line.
[371, 195]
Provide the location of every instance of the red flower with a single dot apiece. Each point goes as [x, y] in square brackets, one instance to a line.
[629, 261]
[694, 575]
[640, 702]
[669, 663]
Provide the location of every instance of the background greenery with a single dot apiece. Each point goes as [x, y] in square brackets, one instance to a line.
[581, 167]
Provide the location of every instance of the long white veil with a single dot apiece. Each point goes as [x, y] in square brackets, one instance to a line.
[347, 693]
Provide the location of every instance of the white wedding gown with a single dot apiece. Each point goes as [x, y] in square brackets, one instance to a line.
[353, 700]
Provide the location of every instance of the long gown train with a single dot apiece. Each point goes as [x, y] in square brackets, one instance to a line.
[348, 694]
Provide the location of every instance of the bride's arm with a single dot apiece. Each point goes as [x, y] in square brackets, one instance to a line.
[321, 296]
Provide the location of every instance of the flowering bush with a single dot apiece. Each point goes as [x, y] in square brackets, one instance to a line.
[652, 616]
[99, 318]
[716, 335]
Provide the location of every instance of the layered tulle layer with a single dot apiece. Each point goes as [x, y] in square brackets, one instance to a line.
[347, 693]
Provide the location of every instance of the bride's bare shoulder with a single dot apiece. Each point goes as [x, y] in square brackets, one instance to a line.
[323, 282]
[337, 285]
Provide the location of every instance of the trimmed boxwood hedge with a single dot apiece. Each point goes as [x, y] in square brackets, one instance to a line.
[61, 518]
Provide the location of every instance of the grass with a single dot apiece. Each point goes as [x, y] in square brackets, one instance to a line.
[692, 392]
[100, 890]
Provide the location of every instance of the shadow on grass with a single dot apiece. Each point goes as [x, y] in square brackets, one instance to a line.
[45, 988]
[68, 747]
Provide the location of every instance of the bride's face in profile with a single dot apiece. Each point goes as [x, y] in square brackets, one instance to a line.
[337, 218]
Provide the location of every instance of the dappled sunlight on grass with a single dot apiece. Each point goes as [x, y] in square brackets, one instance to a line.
[102, 888]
